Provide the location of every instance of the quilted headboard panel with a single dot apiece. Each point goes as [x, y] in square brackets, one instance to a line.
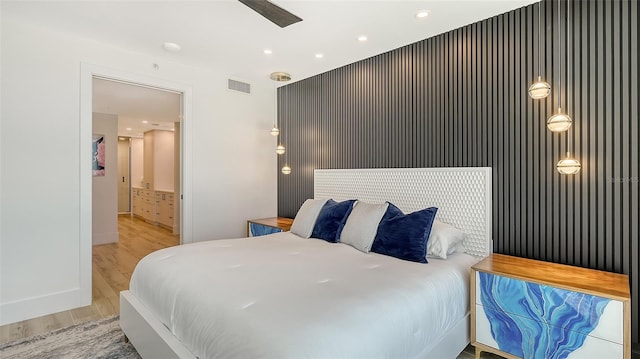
[462, 195]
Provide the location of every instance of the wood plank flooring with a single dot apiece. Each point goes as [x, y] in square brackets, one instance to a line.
[113, 265]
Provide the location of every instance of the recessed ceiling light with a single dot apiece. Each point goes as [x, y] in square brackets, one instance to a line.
[268, 51]
[422, 14]
[145, 121]
[319, 56]
[172, 47]
[362, 38]
[128, 128]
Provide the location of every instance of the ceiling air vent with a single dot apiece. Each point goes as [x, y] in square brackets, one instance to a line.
[239, 86]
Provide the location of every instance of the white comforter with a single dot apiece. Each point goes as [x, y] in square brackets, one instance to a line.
[281, 296]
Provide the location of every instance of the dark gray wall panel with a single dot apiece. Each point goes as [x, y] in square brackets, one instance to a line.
[460, 99]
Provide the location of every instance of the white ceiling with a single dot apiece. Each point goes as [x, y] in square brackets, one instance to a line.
[139, 109]
[229, 37]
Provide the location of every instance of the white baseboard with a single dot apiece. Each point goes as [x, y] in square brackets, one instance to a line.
[34, 307]
[104, 238]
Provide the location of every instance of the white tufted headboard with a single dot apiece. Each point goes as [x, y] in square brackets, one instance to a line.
[462, 195]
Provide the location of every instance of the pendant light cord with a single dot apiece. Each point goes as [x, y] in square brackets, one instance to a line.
[275, 120]
[559, 61]
[284, 138]
[539, 5]
[566, 34]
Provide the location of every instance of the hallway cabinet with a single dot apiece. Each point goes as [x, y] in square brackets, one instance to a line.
[153, 206]
[164, 208]
[153, 201]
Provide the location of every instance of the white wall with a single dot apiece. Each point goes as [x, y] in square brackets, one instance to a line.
[137, 161]
[233, 174]
[105, 188]
[163, 160]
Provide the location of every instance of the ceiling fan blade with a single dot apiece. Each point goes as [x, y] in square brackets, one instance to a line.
[272, 12]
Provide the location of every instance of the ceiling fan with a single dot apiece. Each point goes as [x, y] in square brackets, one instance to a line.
[272, 12]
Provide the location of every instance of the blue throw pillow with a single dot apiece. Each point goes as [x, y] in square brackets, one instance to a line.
[404, 236]
[331, 220]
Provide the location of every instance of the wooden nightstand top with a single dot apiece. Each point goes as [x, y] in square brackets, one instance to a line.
[591, 281]
[276, 222]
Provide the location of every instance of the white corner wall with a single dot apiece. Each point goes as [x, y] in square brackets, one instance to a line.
[105, 188]
[163, 161]
[137, 161]
[232, 177]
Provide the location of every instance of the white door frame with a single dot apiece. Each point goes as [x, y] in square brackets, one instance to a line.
[87, 73]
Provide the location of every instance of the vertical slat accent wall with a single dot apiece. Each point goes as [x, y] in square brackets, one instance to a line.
[460, 99]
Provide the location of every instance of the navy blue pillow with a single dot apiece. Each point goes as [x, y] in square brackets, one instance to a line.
[404, 236]
[331, 220]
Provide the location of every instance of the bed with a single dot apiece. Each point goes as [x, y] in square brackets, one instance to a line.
[283, 296]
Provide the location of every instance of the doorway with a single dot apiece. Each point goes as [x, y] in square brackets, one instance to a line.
[183, 195]
[148, 173]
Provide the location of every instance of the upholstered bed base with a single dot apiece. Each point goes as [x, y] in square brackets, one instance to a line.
[153, 340]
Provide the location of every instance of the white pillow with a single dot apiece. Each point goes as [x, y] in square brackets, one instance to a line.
[444, 239]
[306, 217]
[362, 225]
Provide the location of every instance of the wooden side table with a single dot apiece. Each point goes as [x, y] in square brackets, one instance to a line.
[264, 226]
[523, 308]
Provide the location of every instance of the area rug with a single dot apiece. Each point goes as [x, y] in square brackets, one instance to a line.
[96, 339]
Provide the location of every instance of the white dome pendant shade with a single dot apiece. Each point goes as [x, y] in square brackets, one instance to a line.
[280, 150]
[559, 122]
[539, 89]
[275, 131]
[568, 166]
[286, 169]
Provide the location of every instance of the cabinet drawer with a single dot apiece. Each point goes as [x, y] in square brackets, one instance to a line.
[164, 196]
[556, 307]
[164, 218]
[526, 338]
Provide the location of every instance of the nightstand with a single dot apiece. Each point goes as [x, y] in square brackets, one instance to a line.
[264, 226]
[523, 308]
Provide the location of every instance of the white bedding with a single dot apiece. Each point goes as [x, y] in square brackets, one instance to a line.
[282, 296]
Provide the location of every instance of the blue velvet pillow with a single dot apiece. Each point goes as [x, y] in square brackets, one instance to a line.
[404, 236]
[331, 220]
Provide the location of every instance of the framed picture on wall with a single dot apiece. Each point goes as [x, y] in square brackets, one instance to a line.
[98, 155]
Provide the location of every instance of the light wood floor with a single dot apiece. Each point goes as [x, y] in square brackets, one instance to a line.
[113, 265]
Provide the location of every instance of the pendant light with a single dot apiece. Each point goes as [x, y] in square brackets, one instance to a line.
[539, 89]
[286, 170]
[560, 121]
[569, 165]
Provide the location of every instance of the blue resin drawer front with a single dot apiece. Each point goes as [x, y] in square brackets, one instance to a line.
[531, 339]
[531, 320]
[256, 229]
